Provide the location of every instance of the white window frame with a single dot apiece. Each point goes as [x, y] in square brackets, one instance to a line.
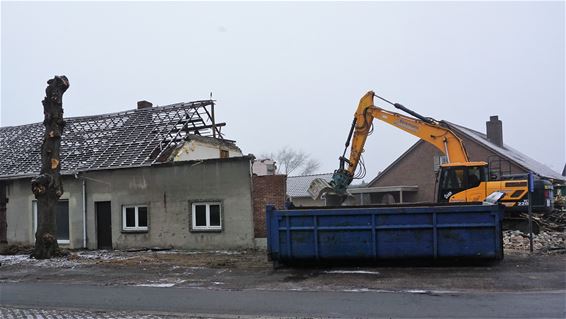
[136, 216]
[34, 215]
[208, 226]
[438, 160]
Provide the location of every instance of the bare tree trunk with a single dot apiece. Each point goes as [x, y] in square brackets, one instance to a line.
[47, 187]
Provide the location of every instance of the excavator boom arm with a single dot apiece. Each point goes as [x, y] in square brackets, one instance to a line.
[424, 128]
[429, 130]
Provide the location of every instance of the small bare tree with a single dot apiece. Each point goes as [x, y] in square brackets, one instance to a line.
[289, 160]
[47, 187]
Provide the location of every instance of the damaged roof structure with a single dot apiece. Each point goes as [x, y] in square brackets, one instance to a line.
[161, 176]
[135, 138]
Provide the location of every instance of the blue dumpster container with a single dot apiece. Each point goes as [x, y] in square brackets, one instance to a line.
[380, 233]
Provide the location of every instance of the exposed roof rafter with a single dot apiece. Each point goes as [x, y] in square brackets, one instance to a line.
[131, 138]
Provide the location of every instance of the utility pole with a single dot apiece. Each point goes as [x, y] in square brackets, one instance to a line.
[530, 199]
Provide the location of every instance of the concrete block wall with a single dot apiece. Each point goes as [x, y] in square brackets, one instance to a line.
[268, 189]
[19, 212]
[167, 190]
[415, 168]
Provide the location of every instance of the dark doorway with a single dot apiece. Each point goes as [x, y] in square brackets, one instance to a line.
[103, 225]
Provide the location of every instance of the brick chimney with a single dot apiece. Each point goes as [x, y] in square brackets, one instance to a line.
[144, 104]
[494, 130]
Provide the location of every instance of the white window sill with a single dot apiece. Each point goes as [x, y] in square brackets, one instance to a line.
[207, 229]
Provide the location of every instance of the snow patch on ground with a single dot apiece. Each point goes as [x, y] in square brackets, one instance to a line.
[365, 272]
[196, 252]
[429, 292]
[416, 291]
[13, 259]
[410, 291]
[26, 260]
[156, 285]
[86, 257]
[160, 284]
[101, 255]
[357, 290]
[73, 260]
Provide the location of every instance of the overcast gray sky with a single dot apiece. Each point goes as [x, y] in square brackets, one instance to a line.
[291, 74]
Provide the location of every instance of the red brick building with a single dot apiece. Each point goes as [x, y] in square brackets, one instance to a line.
[267, 189]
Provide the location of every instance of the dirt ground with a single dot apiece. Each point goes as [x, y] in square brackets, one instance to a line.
[237, 270]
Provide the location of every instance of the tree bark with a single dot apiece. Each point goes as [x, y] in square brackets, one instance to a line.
[47, 187]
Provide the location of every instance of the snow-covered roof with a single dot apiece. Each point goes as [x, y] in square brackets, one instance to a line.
[297, 185]
[510, 153]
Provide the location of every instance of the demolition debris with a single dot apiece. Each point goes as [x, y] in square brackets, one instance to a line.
[544, 242]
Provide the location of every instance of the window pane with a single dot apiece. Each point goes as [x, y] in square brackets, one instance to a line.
[200, 215]
[142, 216]
[214, 215]
[473, 176]
[445, 178]
[459, 177]
[34, 211]
[62, 220]
[130, 217]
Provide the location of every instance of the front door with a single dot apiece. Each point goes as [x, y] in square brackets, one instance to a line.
[103, 225]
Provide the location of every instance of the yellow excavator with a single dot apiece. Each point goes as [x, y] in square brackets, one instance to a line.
[459, 180]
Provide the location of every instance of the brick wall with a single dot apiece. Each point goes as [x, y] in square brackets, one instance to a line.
[269, 189]
[415, 168]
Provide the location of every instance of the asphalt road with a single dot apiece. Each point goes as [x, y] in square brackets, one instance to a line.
[332, 304]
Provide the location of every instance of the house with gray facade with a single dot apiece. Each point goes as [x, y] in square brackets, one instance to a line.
[149, 177]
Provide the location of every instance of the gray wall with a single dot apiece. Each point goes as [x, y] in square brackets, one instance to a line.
[167, 190]
[19, 211]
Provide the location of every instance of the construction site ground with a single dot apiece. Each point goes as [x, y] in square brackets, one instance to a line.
[244, 270]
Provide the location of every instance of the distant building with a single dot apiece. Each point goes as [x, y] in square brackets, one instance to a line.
[197, 148]
[264, 167]
[297, 187]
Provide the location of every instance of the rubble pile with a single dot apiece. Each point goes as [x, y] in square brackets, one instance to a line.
[556, 220]
[545, 241]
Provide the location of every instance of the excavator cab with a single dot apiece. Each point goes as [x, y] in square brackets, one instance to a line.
[456, 178]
